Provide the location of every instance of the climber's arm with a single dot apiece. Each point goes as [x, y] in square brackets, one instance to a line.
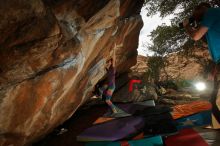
[114, 57]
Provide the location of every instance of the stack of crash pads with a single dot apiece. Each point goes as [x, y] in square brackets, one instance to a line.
[158, 121]
[197, 113]
[186, 117]
[184, 110]
[116, 129]
[154, 122]
[114, 132]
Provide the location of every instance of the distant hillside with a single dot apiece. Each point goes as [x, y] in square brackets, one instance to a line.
[178, 66]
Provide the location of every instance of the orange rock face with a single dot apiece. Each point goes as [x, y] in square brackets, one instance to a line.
[177, 66]
[52, 53]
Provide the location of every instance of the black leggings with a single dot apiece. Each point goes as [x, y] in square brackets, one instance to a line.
[213, 99]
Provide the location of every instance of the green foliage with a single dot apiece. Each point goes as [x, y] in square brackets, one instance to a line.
[167, 7]
[155, 64]
[168, 39]
[183, 83]
[170, 84]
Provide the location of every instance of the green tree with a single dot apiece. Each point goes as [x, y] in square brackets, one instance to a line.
[168, 39]
[155, 65]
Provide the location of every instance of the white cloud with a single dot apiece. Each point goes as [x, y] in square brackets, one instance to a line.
[150, 23]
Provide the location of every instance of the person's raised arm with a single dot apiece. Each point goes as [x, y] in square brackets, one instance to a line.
[196, 34]
[114, 56]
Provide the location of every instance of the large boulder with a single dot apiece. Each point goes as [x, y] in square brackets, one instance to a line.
[52, 53]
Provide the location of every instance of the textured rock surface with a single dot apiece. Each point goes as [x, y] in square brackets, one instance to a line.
[52, 53]
[141, 66]
[178, 67]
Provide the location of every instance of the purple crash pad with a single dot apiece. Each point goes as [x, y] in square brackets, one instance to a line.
[114, 130]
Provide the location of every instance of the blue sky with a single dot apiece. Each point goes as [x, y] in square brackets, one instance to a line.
[150, 23]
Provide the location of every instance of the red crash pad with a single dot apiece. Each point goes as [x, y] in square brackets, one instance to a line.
[186, 137]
